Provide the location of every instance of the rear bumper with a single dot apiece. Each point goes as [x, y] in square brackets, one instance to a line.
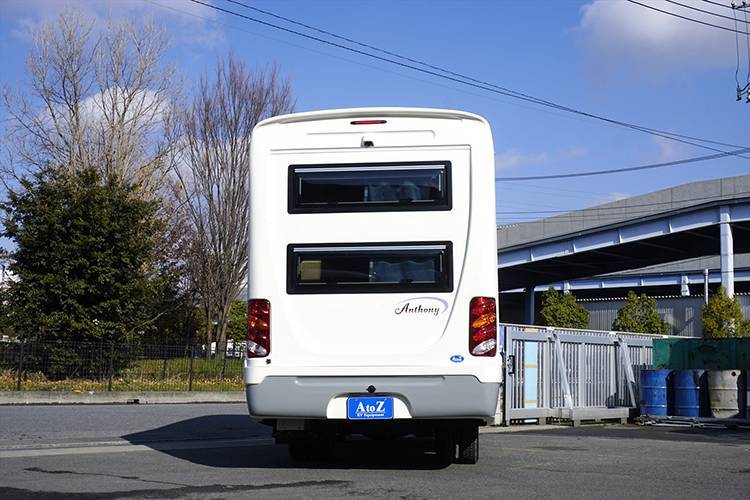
[452, 396]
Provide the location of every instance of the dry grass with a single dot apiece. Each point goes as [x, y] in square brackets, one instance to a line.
[130, 380]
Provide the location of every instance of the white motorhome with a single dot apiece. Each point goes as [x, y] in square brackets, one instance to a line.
[373, 277]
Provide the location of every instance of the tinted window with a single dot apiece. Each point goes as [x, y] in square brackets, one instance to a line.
[369, 187]
[370, 268]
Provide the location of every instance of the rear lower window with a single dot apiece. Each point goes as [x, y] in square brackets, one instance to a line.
[370, 268]
[369, 187]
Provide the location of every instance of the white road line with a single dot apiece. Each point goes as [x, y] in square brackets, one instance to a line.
[129, 448]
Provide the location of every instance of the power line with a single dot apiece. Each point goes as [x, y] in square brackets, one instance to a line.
[620, 208]
[685, 17]
[737, 47]
[704, 11]
[577, 216]
[626, 169]
[536, 100]
[719, 4]
[464, 79]
[531, 187]
[393, 72]
[423, 63]
[741, 89]
[747, 41]
[359, 63]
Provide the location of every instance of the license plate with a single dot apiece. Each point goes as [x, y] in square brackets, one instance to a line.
[369, 408]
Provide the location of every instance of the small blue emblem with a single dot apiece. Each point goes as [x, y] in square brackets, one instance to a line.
[457, 358]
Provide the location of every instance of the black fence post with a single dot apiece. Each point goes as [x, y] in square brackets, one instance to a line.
[191, 352]
[164, 364]
[111, 365]
[99, 362]
[20, 368]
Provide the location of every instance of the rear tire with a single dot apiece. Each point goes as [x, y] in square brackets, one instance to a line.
[445, 445]
[468, 444]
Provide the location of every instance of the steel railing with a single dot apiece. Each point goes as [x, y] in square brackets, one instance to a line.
[558, 373]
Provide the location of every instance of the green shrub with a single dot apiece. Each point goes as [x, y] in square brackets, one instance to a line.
[639, 315]
[722, 317]
[562, 310]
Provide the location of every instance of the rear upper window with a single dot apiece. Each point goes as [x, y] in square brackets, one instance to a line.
[370, 268]
[369, 187]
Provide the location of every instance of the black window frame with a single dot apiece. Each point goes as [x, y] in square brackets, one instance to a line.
[294, 208]
[294, 288]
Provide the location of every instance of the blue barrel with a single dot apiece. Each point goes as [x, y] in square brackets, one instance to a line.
[654, 392]
[690, 393]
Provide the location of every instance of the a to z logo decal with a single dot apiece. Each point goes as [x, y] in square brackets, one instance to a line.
[369, 408]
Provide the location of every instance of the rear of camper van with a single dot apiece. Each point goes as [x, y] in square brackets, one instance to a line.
[373, 277]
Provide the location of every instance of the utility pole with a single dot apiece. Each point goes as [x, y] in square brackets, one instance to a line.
[743, 6]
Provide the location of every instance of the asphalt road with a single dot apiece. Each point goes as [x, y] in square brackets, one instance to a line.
[214, 451]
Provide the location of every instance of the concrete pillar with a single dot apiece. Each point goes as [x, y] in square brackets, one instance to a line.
[529, 305]
[705, 286]
[727, 251]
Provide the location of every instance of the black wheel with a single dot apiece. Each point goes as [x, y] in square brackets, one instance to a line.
[468, 444]
[445, 445]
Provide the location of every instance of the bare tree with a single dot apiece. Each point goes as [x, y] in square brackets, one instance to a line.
[211, 176]
[96, 98]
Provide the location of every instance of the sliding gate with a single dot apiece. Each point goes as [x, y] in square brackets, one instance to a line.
[566, 374]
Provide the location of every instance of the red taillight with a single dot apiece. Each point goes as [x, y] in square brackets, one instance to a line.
[258, 328]
[482, 327]
[368, 122]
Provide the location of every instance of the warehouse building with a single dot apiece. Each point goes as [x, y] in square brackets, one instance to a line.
[675, 244]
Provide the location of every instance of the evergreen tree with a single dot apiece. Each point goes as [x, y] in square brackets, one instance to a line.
[722, 317]
[639, 315]
[82, 261]
[562, 310]
[237, 328]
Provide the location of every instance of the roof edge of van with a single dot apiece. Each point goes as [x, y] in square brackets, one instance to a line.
[370, 112]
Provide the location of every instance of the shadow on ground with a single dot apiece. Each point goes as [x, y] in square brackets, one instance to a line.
[407, 453]
[658, 433]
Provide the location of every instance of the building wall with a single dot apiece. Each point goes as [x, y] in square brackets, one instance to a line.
[683, 313]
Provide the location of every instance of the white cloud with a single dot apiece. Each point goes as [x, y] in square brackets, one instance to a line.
[513, 158]
[669, 150]
[187, 22]
[625, 39]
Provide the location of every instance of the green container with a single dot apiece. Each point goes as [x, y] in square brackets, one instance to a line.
[701, 354]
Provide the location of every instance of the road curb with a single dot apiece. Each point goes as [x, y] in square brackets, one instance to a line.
[118, 397]
[501, 429]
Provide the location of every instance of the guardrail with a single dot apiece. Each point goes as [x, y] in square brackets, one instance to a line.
[567, 374]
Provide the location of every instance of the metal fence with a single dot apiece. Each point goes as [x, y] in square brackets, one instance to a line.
[96, 366]
[571, 374]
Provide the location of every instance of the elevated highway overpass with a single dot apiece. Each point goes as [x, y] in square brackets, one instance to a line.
[700, 219]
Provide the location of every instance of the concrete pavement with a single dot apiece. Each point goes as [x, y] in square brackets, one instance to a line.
[215, 451]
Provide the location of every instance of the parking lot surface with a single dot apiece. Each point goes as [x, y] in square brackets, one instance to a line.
[215, 451]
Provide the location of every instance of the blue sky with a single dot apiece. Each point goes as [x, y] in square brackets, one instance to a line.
[604, 56]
